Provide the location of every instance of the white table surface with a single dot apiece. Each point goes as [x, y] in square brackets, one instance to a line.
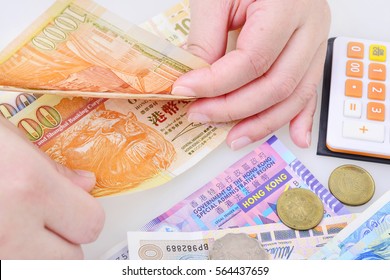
[352, 18]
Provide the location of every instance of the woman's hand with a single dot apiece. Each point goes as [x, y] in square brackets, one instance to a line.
[270, 79]
[45, 209]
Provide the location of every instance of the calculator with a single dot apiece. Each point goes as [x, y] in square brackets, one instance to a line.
[355, 110]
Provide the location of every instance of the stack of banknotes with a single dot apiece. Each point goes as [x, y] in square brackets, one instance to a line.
[75, 83]
[345, 237]
[93, 92]
[243, 199]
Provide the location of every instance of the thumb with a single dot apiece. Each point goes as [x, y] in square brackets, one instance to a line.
[209, 28]
[82, 178]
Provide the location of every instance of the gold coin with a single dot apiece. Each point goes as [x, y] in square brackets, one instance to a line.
[300, 209]
[351, 184]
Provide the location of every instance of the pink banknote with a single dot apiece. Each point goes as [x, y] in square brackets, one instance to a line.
[246, 193]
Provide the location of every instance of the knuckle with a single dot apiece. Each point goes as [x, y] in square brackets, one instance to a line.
[306, 93]
[228, 5]
[323, 6]
[206, 52]
[229, 115]
[265, 126]
[260, 62]
[284, 88]
[96, 223]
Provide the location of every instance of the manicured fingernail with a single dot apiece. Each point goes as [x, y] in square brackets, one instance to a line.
[308, 139]
[85, 173]
[198, 118]
[183, 91]
[240, 143]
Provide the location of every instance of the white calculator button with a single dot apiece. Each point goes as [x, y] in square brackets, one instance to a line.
[352, 108]
[364, 131]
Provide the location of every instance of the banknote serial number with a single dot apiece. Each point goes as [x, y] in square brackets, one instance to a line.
[242, 270]
[187, 248]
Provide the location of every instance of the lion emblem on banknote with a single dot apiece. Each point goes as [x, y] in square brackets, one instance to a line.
[119, 149]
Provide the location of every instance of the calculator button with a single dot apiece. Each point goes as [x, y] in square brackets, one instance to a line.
[352, 108]
[355, 50]
[376, 111]
[354, 88]
[354, 69]
[378, 53]
[367, 131]
[376, 91]
[377, 71]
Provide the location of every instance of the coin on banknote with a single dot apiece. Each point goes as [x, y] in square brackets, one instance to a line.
[351, 184]
[300, 209]
[237, 246]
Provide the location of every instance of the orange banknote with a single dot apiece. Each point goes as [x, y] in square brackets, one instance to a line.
[130, 145]
[172, 25]
[78, 48]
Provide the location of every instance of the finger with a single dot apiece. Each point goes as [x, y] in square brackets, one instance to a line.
[71, 212]
[280, 81]
[251, 59]
[267, 122]
[208, 38]
[82, 178]
[301, 125]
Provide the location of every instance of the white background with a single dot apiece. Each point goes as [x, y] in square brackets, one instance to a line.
[352, 18]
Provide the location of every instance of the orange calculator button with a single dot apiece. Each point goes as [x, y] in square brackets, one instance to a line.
[355, 50]
[377, 71]
[353, 88]
[376, 91]
[354, 69]
[376, 111]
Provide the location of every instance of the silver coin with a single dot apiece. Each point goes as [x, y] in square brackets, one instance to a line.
[237, 246]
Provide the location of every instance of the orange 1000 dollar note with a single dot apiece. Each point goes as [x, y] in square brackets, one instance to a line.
[130, 145]
[77, 48]
[172, 25]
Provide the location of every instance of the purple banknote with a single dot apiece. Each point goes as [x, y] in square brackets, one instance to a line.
[246, 193]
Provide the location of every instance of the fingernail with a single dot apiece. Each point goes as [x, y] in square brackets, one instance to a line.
[240, 143]
[308, 139]
[183, 91]
[198, 118]
[85, 173]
